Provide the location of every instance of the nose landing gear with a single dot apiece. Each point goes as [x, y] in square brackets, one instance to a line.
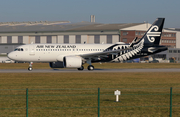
[30, 66]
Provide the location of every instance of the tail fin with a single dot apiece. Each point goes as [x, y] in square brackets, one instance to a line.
[153, 35]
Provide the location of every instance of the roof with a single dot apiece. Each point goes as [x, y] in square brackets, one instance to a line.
[173, 29]
[103, 27]
[60, 26]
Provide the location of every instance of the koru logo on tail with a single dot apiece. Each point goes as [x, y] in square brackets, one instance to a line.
[151, 35]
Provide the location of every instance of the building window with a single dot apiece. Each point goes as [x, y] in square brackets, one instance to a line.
[9, 39]
[109, 39]
[37, 39]
[20, 39]
[49, 39]
[170, 51]
[78, 38]
[174, 51]
[124, 40]
[136, 33]
[66, 38]
[125, 33]
[96, 38]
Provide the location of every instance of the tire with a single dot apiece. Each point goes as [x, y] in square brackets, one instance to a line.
[90, 67]
[30, 68]
[81, 68]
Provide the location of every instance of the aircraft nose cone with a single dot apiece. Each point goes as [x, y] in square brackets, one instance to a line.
[11, 56]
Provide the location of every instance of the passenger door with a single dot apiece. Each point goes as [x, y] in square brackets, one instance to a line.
[31, 50]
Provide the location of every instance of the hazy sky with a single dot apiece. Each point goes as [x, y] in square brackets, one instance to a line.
[105, 11]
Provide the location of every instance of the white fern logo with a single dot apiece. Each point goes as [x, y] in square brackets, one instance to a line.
[151, 35]
[130, 53]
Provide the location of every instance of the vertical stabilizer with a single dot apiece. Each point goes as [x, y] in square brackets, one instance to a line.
[153, 35]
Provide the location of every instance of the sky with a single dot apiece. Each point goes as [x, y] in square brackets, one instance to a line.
[105, 11]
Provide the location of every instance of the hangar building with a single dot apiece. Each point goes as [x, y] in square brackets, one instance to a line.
[13, 34]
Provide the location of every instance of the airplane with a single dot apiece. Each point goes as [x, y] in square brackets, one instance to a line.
[75, 55]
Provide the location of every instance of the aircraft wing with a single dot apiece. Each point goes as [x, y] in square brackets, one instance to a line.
[103, 54]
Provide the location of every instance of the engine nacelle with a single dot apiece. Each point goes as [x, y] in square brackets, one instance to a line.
[56, 65]
[72, 62]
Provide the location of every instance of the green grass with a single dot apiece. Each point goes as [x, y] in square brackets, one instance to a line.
[75, 94]
[96, 65]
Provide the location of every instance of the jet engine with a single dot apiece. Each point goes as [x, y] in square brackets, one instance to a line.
[68, 61]
[72, 61]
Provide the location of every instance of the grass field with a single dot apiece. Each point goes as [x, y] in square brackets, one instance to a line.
[96, 65]
[75, 94]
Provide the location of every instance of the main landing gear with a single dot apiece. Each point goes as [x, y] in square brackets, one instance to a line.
[30, 66]
[90, 67]
[81, 68]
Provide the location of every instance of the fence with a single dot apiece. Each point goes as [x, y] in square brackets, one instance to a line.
[90, 102]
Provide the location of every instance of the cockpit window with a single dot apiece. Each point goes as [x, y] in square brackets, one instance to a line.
[19, 49]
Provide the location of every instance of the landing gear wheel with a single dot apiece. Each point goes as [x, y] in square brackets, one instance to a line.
[81, 68]
[90, 67]
[30, 68]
